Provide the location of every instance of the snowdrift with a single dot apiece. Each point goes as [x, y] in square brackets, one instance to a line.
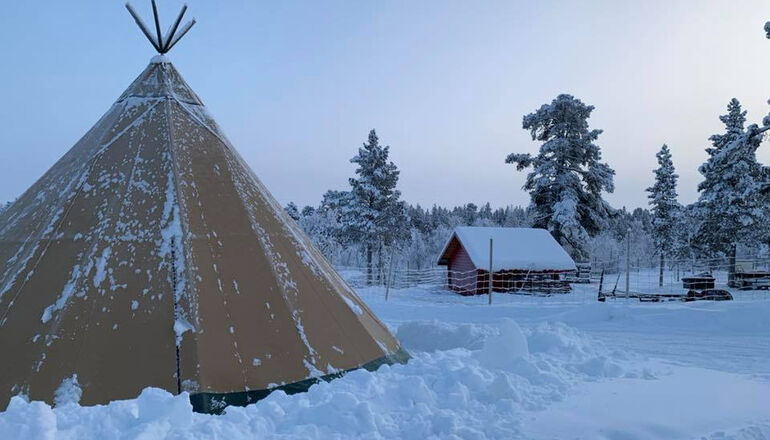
[465, 381]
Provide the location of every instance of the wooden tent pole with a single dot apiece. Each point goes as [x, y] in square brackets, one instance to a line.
[181, 34]
[157, 25]
[162, 45]
[173, 29]
[143, 27]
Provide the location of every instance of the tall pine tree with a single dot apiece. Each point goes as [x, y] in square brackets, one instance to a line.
[730, 206]
[373, 215]
[665, 208]
[734, 121]
[567, 176]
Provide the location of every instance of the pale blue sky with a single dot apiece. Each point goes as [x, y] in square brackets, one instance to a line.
[297, 85]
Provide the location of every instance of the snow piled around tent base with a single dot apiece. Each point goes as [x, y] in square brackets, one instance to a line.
[474, 389]
[479, 374]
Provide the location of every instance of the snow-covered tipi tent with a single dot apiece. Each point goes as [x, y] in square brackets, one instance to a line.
[151, 255]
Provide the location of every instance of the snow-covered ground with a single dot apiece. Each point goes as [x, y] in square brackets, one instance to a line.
[525, 367]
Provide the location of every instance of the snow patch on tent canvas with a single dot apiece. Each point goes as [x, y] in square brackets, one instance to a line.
[181, 326]
[101, 266]
[170, 248]
[353, 306]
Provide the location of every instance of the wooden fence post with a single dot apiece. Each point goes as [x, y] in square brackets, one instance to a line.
[628, 262]
[490, 271]
[390, 276]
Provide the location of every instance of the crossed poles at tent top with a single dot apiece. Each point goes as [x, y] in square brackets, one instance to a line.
[159, 42]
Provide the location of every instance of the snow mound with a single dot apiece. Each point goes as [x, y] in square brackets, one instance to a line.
[507, 346]
[435, 335]
[559, 339]
[32, 420]
[69, 392]
[755, 432]
[469, 381]
[579, 354]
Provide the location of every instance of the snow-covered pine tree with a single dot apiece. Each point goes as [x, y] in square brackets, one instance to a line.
[333, 204]
[486, 212]
[334, 200]
[567, 177]
[322, 226]
[374, 216]
[764, 194]
[307, 210]
[730, 207]
[517, 217]
[418, 218]
[293, 211]
[665, 208]
[469, 213]
[684, 246]
[734, 121]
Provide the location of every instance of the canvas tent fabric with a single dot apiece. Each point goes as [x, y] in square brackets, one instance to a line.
[513, 249]
[150, 255]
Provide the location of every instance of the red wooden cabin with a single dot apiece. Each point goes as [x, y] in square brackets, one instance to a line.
[523, 259]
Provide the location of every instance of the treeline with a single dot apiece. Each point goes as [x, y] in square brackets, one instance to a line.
[428, 229]
[368, 224]
[424, 231]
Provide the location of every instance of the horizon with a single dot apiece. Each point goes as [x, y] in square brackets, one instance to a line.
[309, 81]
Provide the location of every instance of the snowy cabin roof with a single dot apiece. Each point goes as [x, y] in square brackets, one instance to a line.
[513, 248]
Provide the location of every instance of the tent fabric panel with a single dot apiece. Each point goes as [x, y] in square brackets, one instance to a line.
[233, 283]
[35, 215]
[66, 308]
[307, 259]
[132, 309]
[307, 272]
[23, 335]
[161, 79]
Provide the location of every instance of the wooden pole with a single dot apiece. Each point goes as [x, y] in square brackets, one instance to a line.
[181, 34]
[677, 271]
[157, 24]
[660, 273]
[490, 271]
[600, 297]
[390, 276]
[601, 281]
[731, 265]
[143, 27]
[628, 262]
[173, 28]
